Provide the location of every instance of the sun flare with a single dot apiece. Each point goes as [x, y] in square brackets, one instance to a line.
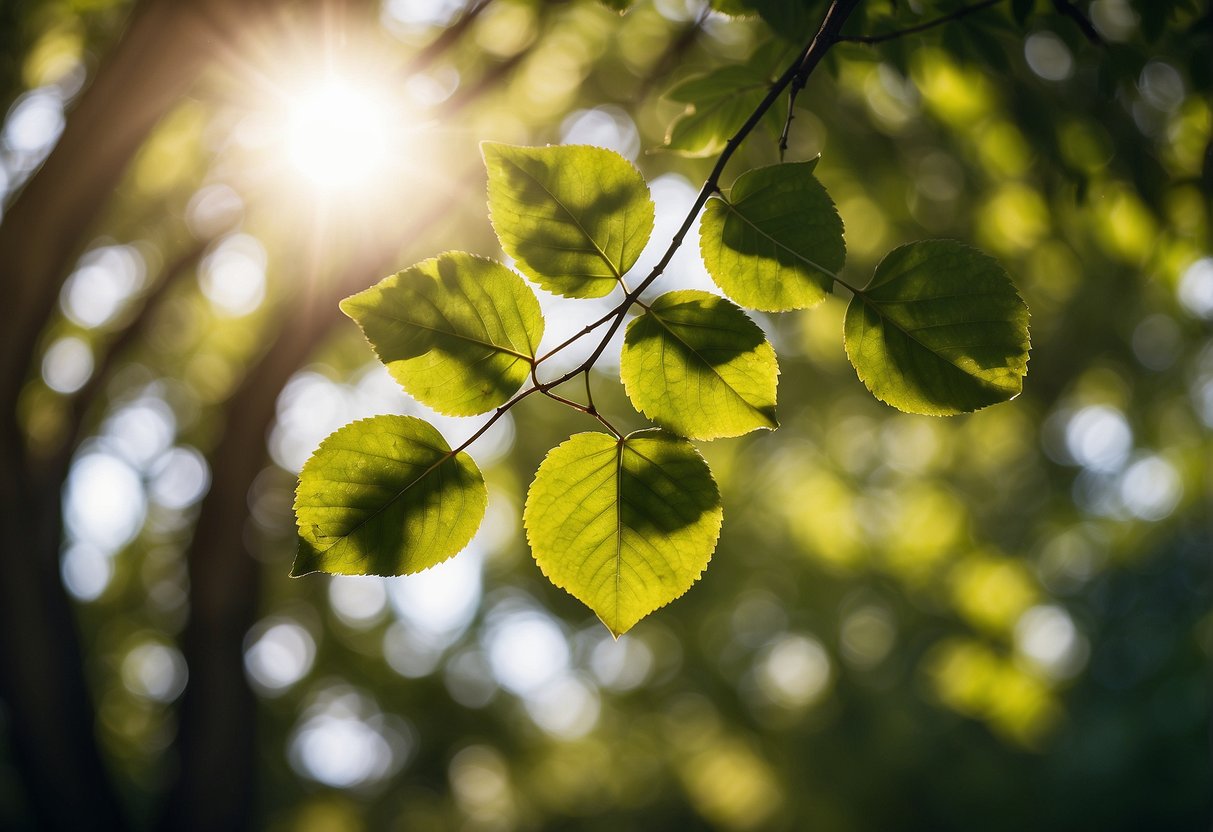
[337, 133]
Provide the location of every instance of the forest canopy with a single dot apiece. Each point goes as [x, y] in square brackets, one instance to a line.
[770, 264]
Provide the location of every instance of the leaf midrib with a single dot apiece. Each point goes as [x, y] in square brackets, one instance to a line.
[459, 335]
[602, 254]
[447, 456]
[619, 448]
[779, 244]
[657, 317]
[874, 306]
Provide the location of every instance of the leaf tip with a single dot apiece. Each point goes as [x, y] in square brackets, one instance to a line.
[615, 634]
[488, 147]
[303, 564]
[348, 307]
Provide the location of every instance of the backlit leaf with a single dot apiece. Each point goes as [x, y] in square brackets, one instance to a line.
[940, 330]
[458, 332]
[385, 496]
[718, 103]
[626, 525]
[574, 217]
[775, 242]
[696, 365]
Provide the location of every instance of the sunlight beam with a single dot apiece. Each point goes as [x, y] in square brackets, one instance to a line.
[337, 134]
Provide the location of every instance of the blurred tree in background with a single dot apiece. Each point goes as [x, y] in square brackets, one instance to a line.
[995, 621]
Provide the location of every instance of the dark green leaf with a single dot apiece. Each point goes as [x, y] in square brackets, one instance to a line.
[793, 20]
[940, 330]
[717, 105]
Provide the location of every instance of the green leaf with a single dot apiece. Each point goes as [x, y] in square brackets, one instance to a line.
[458, 332]
[775, 243]
[385, 496]
[574, 217]
[695, 364]
[623, 525]
[939, 331]
[717, 105]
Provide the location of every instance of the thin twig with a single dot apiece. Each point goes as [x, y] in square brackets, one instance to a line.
[787, 123]
[589, 394]
[589, 411]
[578, 336]
[963, 11]
[799, 71]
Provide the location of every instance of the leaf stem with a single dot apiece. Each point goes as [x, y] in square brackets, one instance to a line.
[589, 411]
[584, 332]
[589, 394]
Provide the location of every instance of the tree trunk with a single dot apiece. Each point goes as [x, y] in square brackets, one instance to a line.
[167, 43]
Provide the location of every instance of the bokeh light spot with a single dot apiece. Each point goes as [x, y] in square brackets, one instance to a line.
[67, 365]
[154, 671]
[281, 653]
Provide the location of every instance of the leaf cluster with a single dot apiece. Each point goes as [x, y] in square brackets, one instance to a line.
[627, 523]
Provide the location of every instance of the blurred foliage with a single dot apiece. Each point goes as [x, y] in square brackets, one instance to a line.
[993, 621]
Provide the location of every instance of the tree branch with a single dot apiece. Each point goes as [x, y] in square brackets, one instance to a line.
[42, 671]
[214, 786]
[1068, 9]
[797, 73]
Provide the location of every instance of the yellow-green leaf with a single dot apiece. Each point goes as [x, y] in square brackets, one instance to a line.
[775, 242]
[385, 496]
[624, 525]
[574, 217]
[458, 332]
[696, 365]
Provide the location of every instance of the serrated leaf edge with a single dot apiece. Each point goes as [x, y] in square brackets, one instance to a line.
[448, 454]
[616, 273]
[718, 514]
[703, 437]
[407, 386]
[936, 411]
